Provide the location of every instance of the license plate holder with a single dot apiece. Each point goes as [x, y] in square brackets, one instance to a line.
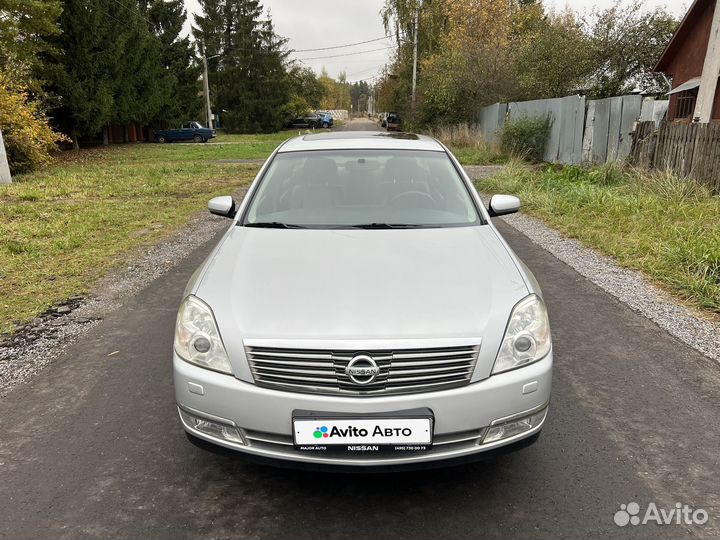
[396, 431]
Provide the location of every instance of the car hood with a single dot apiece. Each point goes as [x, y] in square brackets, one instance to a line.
[362, 285]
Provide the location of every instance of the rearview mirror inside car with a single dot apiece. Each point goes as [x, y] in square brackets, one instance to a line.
[222, 206]
[502, 205]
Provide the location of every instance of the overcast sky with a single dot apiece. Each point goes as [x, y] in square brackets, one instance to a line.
[310, 24]
[676, 7]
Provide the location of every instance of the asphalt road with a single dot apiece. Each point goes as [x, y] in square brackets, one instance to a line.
[92, 447]
[358, 124]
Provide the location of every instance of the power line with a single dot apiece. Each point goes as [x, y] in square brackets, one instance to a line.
[152, 33]
[351, 63]
[346, 54]
[368, 79]
[363, 72]
[135, 13]
[345, 46]
[151, 26]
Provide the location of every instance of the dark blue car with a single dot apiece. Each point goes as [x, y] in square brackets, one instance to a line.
[326, 119]
[191, 131]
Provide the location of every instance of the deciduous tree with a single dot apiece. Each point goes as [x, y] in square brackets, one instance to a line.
[337, 92]
[28, 138]
[25, 26]
[483, 51]
[627, 42]
[552, 55]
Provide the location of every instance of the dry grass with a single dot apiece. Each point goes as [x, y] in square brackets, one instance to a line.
[468, 144]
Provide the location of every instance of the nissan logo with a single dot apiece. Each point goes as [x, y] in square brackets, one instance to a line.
[362, 369]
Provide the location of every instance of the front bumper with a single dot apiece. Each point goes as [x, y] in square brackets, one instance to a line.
[462, 416]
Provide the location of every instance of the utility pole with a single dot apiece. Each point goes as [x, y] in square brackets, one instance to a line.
[711, 70]
[206, 87]
[415, 52]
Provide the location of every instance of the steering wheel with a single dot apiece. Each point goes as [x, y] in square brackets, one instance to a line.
[419, 195]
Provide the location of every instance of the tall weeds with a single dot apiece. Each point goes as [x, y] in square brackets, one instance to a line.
[469, 144]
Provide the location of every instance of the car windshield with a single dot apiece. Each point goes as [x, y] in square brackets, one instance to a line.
[361, 189]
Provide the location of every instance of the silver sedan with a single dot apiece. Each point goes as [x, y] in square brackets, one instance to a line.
[362, 311]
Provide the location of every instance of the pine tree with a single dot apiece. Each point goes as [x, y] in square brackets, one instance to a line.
[249, 80]
[81, 78]
[180, 86]
[360, 92]
[109, 70]
[139, 76]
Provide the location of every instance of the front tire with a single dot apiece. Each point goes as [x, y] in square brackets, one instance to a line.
[326, 125]
[197, 138]
[161, 139]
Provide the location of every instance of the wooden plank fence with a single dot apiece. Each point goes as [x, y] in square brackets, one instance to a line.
[688, 150]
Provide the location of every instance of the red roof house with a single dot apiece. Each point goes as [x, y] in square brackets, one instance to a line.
[684, 58]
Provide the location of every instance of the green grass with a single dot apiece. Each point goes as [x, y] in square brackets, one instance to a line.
[471, 155]
[63, 228]
[659, 224]
[269, 140]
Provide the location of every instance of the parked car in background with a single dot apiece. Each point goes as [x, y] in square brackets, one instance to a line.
[294, 341]
[309, 121]
[326, 118]
[394, 122]
[190, 131]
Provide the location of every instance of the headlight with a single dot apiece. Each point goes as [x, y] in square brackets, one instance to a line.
[527, 338]
[197, 339]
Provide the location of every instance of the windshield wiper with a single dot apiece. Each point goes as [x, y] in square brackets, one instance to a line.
[386, 226]
[273, 225]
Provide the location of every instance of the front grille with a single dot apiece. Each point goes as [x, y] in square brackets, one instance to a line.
[401, 371]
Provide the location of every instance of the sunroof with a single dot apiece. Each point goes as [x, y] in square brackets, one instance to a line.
[345, 135]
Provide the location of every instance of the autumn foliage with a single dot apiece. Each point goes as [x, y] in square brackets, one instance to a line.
[28, 138]
[476, 52]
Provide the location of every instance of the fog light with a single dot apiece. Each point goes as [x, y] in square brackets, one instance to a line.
[212, 428]
[514, 427]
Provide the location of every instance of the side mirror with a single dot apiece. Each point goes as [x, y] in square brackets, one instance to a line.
[502, 205]
[222, 206]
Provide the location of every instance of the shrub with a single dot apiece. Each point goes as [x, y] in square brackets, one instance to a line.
[296, 107]
[28, 137]
[526, 137]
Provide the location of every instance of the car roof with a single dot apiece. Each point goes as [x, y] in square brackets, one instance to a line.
[361, 140]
